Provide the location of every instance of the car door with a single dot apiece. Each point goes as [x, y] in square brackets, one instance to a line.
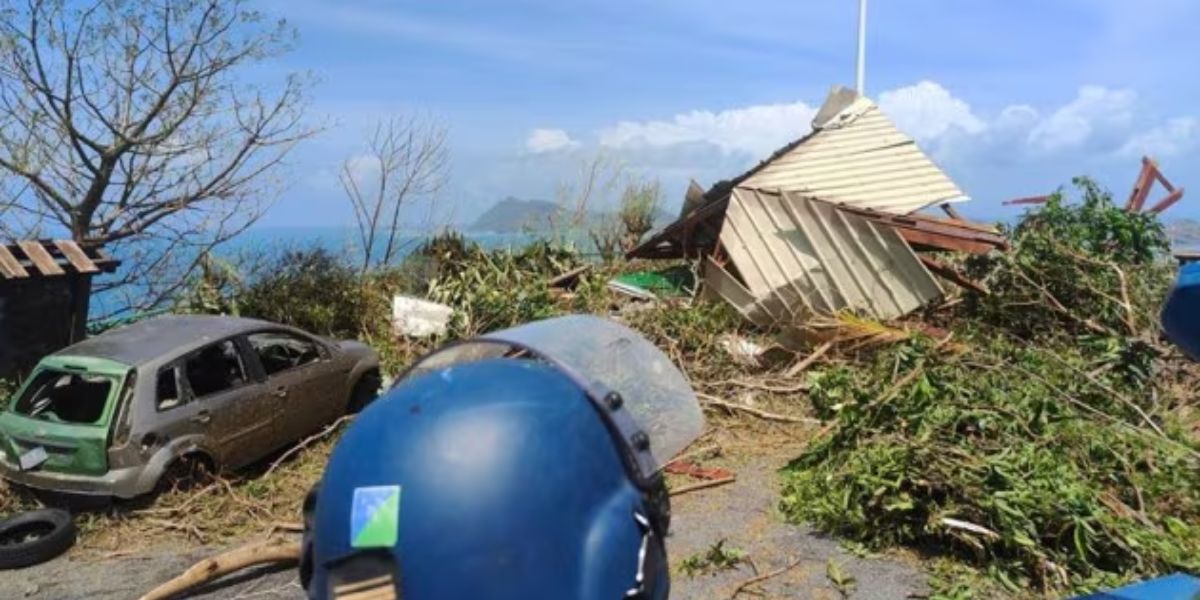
[237, 412]
[299, 370]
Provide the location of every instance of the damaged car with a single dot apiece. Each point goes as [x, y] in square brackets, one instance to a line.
[147, 405]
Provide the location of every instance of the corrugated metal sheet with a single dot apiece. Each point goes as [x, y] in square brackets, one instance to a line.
[798, 256]
[859, 158]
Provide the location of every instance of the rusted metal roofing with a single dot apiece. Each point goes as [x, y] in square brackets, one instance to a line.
[859, 158]
[797, 256]
[28, 259]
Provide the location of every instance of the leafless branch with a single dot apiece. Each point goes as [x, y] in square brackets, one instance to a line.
[406, 160]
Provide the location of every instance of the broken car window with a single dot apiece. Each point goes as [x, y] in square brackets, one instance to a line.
[56, 395]
[282, 351]
[167, 395]
[215, 369]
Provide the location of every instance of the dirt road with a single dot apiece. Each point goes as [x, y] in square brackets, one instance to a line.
[742, 513]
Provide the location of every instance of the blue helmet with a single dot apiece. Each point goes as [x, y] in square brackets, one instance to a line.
[524, 464]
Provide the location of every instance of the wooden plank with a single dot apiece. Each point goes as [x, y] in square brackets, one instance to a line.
[40, 258]
[1166, 203]
[938, 241]
[1141, 188]
[10, 267]
[76, 256]
[1028, 200]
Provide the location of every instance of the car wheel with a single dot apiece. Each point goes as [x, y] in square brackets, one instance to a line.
[35, 537]
[365, 391]
[186, 473]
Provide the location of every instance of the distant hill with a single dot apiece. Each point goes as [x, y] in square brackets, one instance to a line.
[1184, 233]
[513, 215]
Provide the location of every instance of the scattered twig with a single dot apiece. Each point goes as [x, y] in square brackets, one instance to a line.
[702, 485]
[306, 441]
[765, 576]
[697, 452]
[222, 564]
[762, 414]
[808, 360]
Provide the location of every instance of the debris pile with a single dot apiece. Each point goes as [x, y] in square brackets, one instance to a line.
[1047, 437]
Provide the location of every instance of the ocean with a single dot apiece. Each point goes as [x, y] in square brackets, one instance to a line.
[338, 240]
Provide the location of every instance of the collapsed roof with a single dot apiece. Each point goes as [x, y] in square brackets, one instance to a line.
[827, 223]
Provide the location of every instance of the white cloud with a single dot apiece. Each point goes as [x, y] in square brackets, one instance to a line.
[1175, 137]
[548, 140]
[755, 130]
[927, 111]
[1095, 115]
[1018, 150]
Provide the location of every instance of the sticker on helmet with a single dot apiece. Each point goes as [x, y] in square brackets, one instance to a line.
[375, 517]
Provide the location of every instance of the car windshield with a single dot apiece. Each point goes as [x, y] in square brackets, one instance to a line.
[66, 396]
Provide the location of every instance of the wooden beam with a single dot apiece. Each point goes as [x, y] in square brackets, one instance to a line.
[40, 258]
[76, 256]
[951, 212]
[1166, 203]
[1141, 187]
[1027, 200]
[10, 267]
[939, 241]
[951, 274]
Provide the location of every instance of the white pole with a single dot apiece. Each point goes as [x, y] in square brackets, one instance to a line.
[862, 48]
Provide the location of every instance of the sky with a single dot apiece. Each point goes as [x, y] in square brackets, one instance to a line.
[1011, 97]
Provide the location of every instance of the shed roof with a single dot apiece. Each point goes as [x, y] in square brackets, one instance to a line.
[28, 259]
[159, 337]
[798, 256]
[859, 158]
[854, 156]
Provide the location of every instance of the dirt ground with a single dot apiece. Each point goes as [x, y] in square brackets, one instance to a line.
[742, 513]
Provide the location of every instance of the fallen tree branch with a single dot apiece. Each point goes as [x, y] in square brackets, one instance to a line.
[306, 442]
[702, 485]
[765, 576]
[223, 564]
[762, 414]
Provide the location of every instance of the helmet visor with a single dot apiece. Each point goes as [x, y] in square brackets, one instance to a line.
[601, 355]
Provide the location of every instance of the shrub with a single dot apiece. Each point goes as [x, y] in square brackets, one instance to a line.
[1046, 445]
[307, 288]
[1089, 267]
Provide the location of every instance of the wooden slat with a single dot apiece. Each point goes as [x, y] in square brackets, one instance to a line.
[76, 256]
[40, 258]
[941, 241]
[1166, 203]
[10, 267]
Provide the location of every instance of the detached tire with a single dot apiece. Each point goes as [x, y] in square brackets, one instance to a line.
[35, 537]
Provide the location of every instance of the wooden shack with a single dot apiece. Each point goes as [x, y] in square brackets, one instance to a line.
[45, 288]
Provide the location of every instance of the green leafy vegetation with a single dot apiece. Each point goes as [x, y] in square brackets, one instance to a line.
[844, 583]
[717, 557]
[1045, 442]
[7, 389]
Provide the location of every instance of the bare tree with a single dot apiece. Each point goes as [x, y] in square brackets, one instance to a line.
[406, 160]
[125, 125]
